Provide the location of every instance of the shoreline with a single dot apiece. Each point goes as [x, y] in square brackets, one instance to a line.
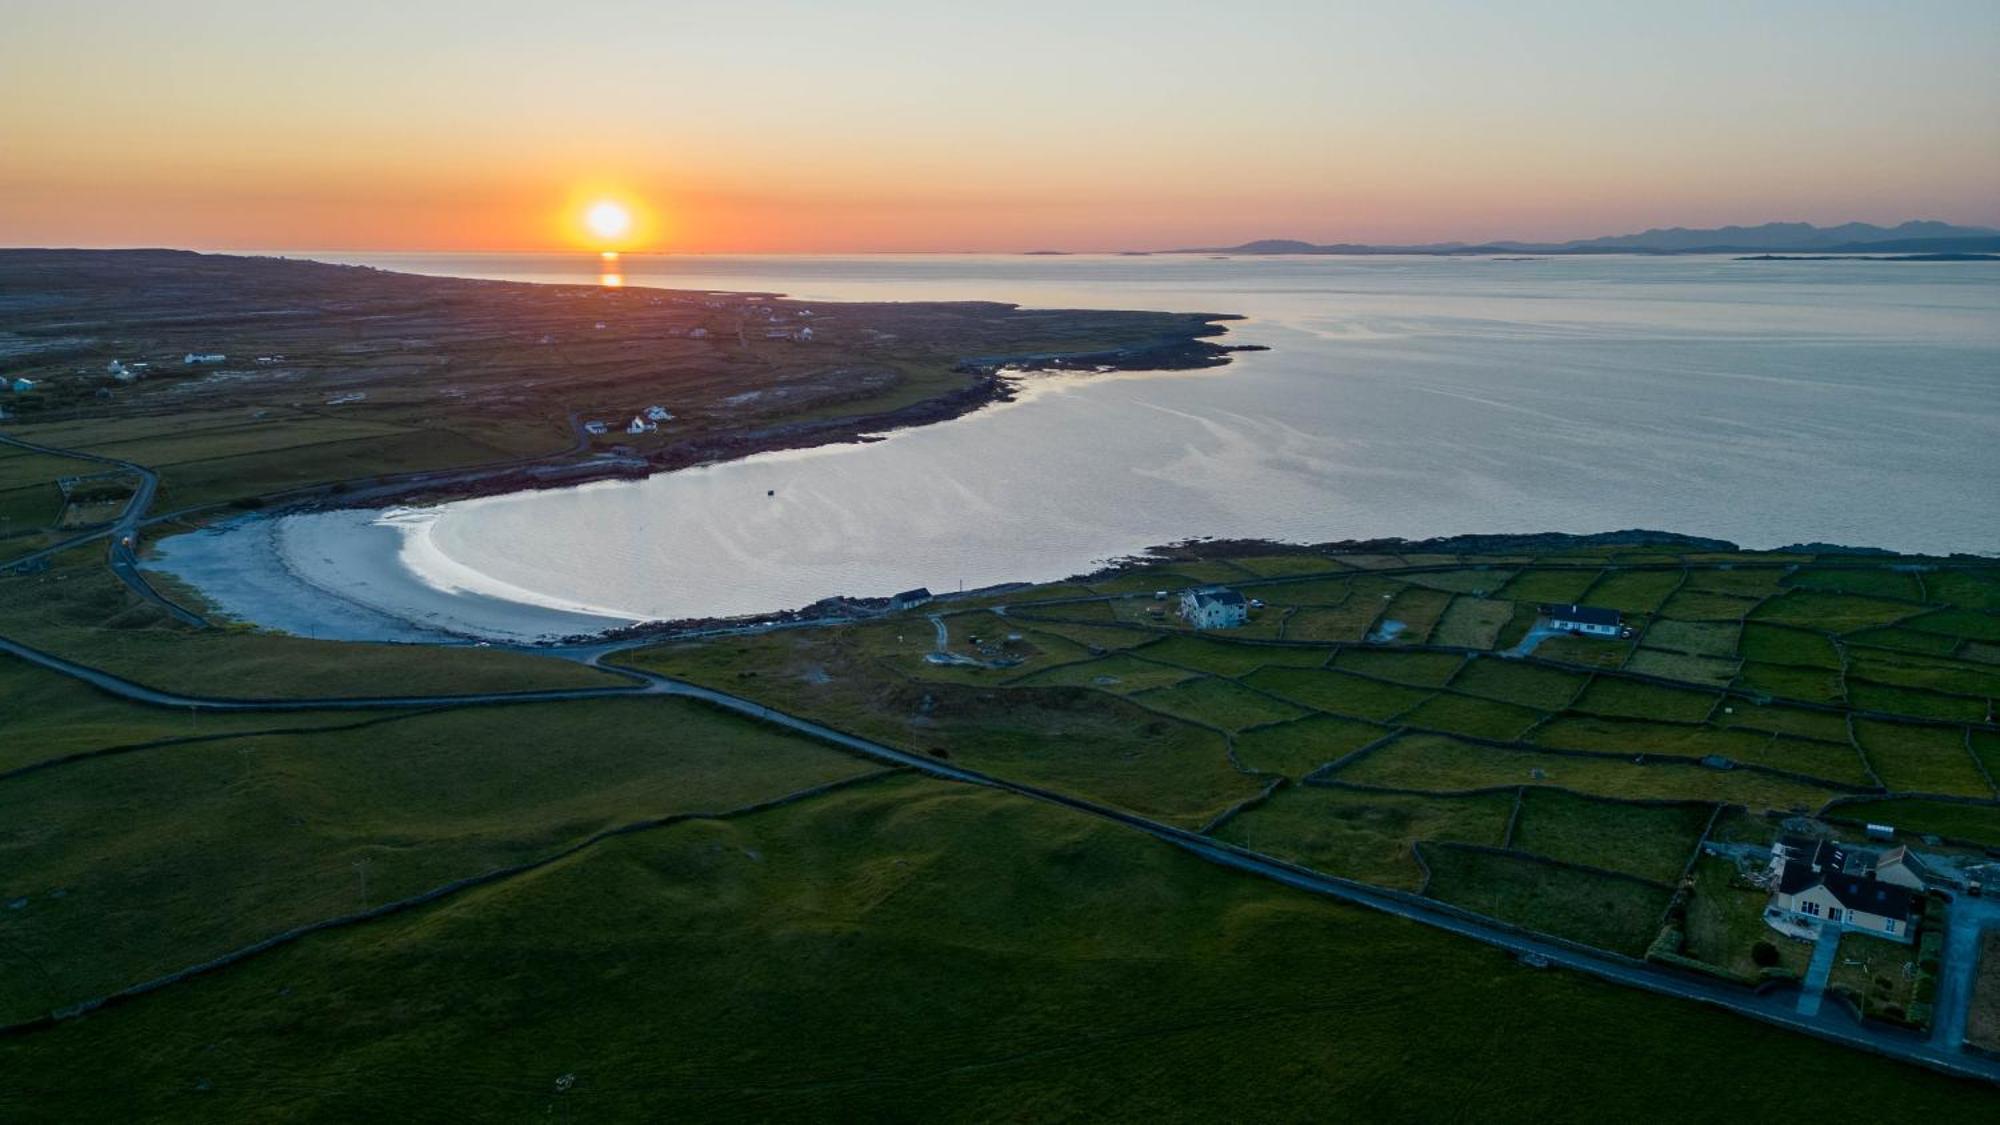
[293, 597]
[994, 380]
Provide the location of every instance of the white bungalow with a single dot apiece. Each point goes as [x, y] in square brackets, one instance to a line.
[803, 335]
[21, 386]
[1820, 882]
[658, 414]
[595, 427]
[1586, 619]
[639, 425]
[1213, 607]
[202, 359]
[698, 333]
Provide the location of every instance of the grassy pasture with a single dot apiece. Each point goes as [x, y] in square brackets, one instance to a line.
[1585, 652]
[1337, 692]
[1811, 609]
[1548, 586]
[1220, 658]
[1366, 836]
[1615, 914]
[1785, 681]
[1702, 605]
[1771, 644]
[140, 864]
[1962, 623]
[1418, 669]
[1873, 582]
[874, 938]
[1637, 700]
[1471, 716]
[1297, 748]
[1905, 701]
[1921, 759]
[1713, 671]
[1650, 841]
[1545, 689]
[1419, 610]
[1699, 638]
[1966, 589]
[1633, 591]
[1118, 673]
[1214, 702]
[1441, 764]
[1737, 581]
[1472, 623]
[1478, 582]
[1914, 816]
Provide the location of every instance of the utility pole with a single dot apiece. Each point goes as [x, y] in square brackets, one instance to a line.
[361, 868]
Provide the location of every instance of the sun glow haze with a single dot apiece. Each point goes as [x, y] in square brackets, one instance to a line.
[826, 129]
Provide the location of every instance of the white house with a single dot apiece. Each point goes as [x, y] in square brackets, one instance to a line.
[202, 359]
[595, 427]
[639, 425]
[804, 335]
[698, 333]
[658, 414]
[1820, 882]
[21, 386]
[1213, 607]
[1586, 619]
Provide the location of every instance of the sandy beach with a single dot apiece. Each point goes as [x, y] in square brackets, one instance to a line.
[359, 575]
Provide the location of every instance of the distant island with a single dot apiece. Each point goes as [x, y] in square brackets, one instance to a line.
[1927, 238]
[1869, 258]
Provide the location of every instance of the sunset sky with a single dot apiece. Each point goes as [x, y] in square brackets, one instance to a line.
[1082, 124]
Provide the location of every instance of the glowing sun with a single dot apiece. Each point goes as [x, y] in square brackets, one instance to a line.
[607, 219]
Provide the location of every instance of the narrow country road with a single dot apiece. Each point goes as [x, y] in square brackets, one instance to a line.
[1778, 1008]
[1966, 921]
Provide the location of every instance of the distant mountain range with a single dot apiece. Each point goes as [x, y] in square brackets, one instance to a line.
[1925, 237]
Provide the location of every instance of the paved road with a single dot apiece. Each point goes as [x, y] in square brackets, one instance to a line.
[1965, 921]
[1826, 950]
[1776, 1009]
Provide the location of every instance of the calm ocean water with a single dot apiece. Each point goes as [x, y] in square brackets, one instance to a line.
[1762, 402]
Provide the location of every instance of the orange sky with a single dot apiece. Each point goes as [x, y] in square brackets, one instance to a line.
[894, 126]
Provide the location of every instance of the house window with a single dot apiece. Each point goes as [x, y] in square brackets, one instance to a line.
[1833, 914]
[1812, 908]
[1889, 926]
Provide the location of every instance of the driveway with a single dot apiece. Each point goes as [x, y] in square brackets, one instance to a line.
[1964, 922]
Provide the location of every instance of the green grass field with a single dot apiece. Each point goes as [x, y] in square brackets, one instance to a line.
[864, 955]
[1616, 914]
[240, 826]
[1651, 841]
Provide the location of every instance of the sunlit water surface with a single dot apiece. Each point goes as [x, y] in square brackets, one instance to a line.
[1761, 402]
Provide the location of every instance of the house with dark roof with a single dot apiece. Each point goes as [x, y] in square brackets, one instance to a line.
[1817, 882]
[1587, 619]
[910, 599]
[1214, 607]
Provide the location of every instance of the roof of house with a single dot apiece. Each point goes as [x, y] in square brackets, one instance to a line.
[1856, 892]
[921, 592]
[1902, 854]
[1582, 614]
[1216, 595]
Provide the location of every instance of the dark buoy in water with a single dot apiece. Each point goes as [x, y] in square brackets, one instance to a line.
[770, 492]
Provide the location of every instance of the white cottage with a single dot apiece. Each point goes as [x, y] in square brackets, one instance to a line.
[1586, 619]
[1213, 607]
[1821, 882]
